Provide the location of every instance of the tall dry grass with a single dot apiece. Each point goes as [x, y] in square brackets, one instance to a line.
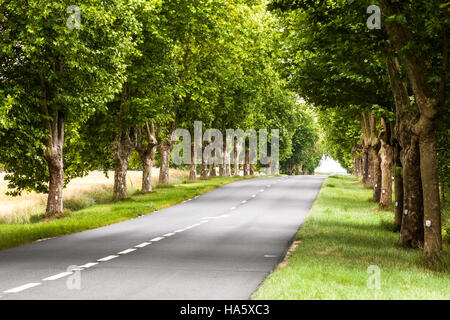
[80, 193]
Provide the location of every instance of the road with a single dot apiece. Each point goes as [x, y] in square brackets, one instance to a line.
[220, 245]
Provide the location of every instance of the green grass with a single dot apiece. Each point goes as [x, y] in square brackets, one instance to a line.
[14, 234]
[344, 234]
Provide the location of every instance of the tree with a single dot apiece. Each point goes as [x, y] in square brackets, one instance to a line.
[53, 78]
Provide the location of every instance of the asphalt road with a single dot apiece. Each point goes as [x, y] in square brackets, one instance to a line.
[220, 245]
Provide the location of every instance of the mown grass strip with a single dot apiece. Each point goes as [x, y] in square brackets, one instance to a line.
[344, 234]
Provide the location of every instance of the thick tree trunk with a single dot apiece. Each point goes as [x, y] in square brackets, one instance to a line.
[122, 148]
[412, 233]
[386, 155]
[193, 165]
[53, 155]
[164, 162]
[365, 166]
[430, 184]
[246, 164]
[398, 174]
[376, 174]
[204, 169]
[147, 166]
[55, 189]
[236, 158]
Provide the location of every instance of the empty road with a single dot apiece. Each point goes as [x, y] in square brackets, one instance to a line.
[220, 245]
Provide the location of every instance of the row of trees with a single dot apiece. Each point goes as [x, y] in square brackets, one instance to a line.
[381, 96]
[125, 76]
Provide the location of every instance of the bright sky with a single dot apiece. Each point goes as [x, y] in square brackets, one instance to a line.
[329, 165]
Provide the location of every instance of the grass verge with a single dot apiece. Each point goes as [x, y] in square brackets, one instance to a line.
[96, 216]
[344, 234]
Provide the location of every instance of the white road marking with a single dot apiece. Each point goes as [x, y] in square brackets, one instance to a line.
[107, 258]
[268, 186]
[253, 195]
[179, 230]
[22, 288]
[224, 216]
[261, 190]
[157, 239]
[232, 208]
[88, 265]
[204, 221]
[143, 244]
[245, 201]
[126, 251]
[269, 256]
[57, 276]
[169, 234]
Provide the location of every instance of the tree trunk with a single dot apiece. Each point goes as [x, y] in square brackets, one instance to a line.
[386, 155]
[53, 155]
[164, 162]
[365, 166]
[236, 158]
[147, 166]
[398, 174]
[204, 173]
[412, 233]
[246, 164]
[122, 148]
[430, 184]
[376, 174]
[54, 161]
[252, 170]
[193, 165]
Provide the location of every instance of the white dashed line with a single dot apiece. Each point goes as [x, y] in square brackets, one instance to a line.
[245, 201]
[269, 256]
[253, 195]
[261, 190]
[169, 234]
[126, 251]
[179, 230]
[224, 216]
[22, 288]
[57, 276]
[143, 244]
[157, 239]
[88, 265]
[107, 258]
[232, 208]
[204, 221]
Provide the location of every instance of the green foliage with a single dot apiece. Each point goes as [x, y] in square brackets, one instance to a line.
[50, 70]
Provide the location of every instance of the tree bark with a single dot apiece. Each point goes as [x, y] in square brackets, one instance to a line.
[365, 166]
[146, 148]
[236, 158]
[164, 162]
[53, 155]
[193, 165]
[147, 166]
[386, 155]
[204, 171]
[398, 174]
[246, 164]
[376, 172]
[122, 147]
[412, 232]
[430, 183]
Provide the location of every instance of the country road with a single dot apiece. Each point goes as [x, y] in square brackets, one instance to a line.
[220, 245]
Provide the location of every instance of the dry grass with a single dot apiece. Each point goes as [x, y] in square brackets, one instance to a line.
[80, 193]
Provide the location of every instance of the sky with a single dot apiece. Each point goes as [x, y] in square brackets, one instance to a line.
[329, 165]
